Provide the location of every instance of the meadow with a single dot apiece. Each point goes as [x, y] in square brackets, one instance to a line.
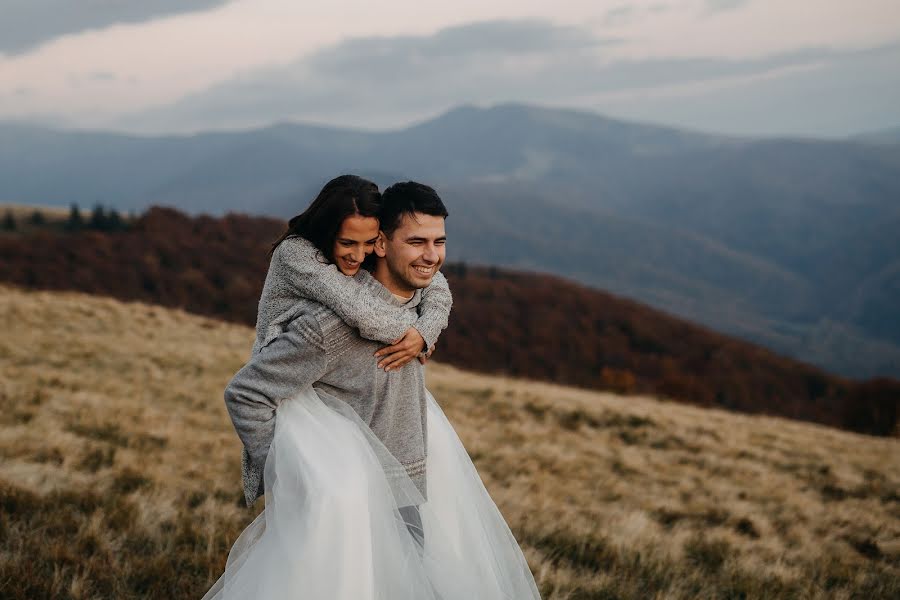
[120, 474]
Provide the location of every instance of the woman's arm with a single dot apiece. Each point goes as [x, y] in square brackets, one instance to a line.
[419, 341]
[301, 268]
[434, 310]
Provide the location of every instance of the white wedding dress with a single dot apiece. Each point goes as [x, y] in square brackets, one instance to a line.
[334, 529]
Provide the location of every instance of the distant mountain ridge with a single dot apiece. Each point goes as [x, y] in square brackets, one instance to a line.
[891, 135]
[788, 243]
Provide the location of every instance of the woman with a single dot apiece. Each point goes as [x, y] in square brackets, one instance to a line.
[343, 519]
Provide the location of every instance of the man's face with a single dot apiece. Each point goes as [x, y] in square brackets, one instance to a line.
[414, 253]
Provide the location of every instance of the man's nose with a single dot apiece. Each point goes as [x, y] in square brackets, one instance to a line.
[430, 255]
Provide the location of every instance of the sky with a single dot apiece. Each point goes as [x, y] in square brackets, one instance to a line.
[820, 68]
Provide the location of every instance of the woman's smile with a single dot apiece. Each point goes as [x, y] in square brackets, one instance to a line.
[354, 241]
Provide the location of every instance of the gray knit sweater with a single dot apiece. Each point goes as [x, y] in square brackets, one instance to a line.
[317, 348]
[297, 271]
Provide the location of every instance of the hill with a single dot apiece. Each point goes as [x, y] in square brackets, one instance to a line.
[520, 324]
[120, 474]
[787, 243]
[890, 135]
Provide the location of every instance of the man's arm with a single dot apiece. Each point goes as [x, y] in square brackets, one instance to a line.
[290, 363]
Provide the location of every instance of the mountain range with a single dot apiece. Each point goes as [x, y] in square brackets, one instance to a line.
[790, 243]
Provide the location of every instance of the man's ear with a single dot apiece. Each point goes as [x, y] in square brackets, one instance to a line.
[380, 245]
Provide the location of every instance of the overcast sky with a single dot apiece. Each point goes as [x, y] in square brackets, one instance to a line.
[757, 67]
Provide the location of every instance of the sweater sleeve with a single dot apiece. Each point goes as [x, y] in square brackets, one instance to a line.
[434, 309]
[293, 361]
[355, 304]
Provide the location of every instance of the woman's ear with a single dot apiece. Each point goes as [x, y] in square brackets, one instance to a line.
[381, 245]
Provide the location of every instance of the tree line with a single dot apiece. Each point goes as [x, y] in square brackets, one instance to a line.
[99, 218]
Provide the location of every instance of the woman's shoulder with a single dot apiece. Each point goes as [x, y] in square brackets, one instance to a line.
[295, 247]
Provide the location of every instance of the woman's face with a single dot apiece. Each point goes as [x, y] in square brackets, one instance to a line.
[354, 241]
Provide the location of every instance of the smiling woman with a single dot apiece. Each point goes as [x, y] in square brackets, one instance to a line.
[343, 215]
[354, 242]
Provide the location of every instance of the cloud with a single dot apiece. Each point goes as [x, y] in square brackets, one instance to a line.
[25, 24]
[619, 14]
[386, 82]
[376, 79]
[841, 94]
[724, 5]
[379, 57]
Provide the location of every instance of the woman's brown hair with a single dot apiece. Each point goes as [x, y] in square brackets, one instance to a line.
[341, 197]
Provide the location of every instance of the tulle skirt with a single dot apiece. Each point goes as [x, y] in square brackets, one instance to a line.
[344, 522]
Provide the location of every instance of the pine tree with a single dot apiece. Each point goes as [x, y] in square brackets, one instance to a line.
[75, 222]
[37, 219]
[9, 221]
[114, 220]
[98, 218]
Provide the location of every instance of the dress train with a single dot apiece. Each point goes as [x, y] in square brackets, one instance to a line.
[343, 521]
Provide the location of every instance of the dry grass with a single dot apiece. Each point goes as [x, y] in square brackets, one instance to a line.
[120, 473]
[24, 211]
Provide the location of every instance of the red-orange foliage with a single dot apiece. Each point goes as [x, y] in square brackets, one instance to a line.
[521, 324]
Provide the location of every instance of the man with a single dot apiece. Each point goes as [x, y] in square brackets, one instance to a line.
[318, 349]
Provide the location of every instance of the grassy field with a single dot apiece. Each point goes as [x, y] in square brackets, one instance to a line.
[120, 476]
[22, 212]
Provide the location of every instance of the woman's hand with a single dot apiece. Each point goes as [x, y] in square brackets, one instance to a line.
[423, 358]
[402, 351]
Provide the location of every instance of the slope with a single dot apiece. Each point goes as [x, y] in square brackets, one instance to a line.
[120, 473]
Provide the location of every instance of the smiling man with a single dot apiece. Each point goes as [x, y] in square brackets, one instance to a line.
[412, 242]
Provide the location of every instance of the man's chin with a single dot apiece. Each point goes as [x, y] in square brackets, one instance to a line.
[421, 281]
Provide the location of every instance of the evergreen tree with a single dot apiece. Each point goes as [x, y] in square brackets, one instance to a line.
[75, 222]
[37, 219]
[9, 221]
[114, 221]
[98, 218]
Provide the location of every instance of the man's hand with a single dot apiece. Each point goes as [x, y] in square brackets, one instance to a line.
[402, 351]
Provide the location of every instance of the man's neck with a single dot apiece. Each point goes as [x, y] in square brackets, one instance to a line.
[382, 275]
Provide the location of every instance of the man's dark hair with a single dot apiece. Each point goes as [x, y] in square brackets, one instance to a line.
[407, 198]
